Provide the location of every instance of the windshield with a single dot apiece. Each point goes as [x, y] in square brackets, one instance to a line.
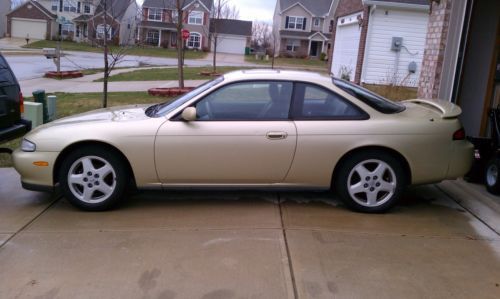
[165, 108]
[375, 101]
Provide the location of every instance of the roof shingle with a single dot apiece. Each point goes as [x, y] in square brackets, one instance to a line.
[234, 27]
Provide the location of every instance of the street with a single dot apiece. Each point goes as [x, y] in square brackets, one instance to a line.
[243, 245]
[27, 67]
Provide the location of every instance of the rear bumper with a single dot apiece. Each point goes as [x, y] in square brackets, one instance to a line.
[461, 159]
[17, 130]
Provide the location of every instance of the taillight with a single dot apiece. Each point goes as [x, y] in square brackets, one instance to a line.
[459, 134]
[21, 102]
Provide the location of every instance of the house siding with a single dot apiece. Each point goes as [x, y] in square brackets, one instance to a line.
[380, 61]
[4, 9]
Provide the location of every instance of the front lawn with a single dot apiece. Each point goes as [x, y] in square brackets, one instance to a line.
[296, 62]
[74, 103]
[395, 93]
[158, 74]
[133, 50]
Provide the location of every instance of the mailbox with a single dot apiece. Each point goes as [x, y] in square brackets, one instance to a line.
[50, 53]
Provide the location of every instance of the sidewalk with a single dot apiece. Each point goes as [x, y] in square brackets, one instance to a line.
[86, 83]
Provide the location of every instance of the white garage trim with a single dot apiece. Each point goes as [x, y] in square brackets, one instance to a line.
[231, 44]
[21, 28]
[346, 48]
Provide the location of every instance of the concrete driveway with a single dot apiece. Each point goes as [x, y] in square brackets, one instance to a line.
[243, 245]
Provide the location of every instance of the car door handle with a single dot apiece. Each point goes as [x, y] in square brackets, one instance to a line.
[276, 135]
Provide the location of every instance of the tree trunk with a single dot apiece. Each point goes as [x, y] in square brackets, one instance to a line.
[180, 44]
[215, 53]
[106, 61]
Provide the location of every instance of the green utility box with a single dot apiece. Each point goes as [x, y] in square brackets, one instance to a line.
[39, 96]
[34, 112]
[247, 50]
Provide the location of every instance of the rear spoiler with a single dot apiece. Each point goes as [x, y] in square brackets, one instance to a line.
[447, 109]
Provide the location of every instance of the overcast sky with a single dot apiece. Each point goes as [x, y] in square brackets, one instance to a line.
[251, 10]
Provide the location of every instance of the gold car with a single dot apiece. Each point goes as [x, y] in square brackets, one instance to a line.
[259, 129]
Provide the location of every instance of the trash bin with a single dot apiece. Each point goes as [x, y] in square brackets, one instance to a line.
[39, 96]
[247, 50]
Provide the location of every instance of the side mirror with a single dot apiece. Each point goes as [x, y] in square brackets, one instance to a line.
[189, 114]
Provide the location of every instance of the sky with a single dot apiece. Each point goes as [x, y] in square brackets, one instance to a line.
[253, 10]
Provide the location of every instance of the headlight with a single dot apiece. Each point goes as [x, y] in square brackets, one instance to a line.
[28, 146]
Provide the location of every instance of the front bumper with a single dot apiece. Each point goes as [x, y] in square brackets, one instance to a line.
[32, 175]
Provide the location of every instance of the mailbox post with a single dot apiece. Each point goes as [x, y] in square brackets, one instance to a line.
[55, 55]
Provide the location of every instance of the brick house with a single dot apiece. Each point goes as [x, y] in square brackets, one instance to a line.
[379, 41]
[303, 27]
[73, 20]
[462, 59]
[31, 20]
[158, 26]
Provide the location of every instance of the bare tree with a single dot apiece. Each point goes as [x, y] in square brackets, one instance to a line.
[105, 34]
[223, 10]
[180, 42]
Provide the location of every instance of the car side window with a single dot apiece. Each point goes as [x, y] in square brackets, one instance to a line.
[315, 102]
[255, 100]
[5, 73]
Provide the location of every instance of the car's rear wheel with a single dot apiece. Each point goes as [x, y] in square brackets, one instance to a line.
[370, 182]
[93, 178]
[492, 179]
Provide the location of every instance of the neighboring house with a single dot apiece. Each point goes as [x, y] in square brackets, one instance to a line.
[380, 41]
[233, 36]
[32, 20]
[159, 19]
[302, 28]
[4, 9]
[74, 20]
[462, 59]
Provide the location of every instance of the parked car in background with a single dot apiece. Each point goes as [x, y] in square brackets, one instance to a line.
[254, 129]
[11, 105]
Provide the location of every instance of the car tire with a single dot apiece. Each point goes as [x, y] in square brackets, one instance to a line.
[93, 178]
[370, 181]
[492, 181]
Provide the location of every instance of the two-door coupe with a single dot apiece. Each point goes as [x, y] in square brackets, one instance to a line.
[264, 129]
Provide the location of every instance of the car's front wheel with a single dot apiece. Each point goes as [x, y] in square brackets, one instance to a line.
[93, 178]
[370, 182]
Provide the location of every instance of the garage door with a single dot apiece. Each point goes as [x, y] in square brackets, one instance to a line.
[36, 29]
[231, 44]
[345, 51]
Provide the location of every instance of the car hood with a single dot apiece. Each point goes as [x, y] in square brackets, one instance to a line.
[115, 114]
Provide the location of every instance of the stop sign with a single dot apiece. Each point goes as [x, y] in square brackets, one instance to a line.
[185, 34]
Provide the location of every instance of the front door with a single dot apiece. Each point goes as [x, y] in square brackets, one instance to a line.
[243, 135]
[314, 49]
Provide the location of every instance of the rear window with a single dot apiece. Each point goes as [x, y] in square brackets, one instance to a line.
[373, 100]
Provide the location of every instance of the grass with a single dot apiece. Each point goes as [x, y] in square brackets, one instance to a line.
[74, 103]
[158, 74]
[395, 93]
[139, 51]
[293, 62]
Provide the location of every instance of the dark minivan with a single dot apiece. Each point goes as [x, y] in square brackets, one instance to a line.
[11, 105]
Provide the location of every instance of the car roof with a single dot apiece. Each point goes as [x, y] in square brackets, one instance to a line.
[275, 74]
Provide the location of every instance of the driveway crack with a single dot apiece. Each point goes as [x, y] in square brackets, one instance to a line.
[289, 257]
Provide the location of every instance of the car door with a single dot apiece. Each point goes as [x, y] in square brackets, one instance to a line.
[327, 125]
[242, 135]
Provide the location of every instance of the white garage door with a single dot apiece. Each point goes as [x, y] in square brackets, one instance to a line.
[231, 44]
[345, 52]
[36, 29]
